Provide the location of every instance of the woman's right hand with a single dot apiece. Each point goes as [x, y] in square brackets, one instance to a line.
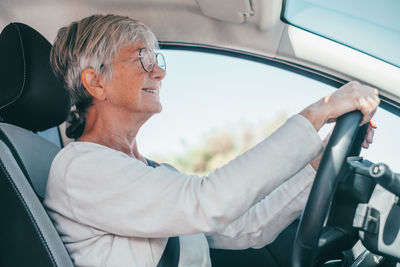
[351, 96]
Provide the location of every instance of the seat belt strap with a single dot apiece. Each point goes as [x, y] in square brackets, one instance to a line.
[170, 256]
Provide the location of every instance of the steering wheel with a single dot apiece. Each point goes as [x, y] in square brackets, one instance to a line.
[345, 141]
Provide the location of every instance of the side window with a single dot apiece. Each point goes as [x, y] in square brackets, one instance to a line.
[386, 145]
[215, 107]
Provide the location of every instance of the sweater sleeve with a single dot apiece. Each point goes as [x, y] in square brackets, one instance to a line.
[263, 222]
[112, 192]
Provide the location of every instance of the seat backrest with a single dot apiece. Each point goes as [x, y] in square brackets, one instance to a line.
[31, 99]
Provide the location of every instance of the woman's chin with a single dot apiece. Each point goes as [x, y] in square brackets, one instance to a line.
[156, 110]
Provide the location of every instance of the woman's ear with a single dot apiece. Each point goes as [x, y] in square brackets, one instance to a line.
[92, 81]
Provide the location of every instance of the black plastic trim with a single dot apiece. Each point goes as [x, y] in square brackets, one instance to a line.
[283, 9]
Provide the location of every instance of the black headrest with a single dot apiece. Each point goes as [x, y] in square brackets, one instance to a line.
[30, 95]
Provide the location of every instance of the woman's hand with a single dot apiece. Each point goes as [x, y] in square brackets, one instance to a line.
[351, 96]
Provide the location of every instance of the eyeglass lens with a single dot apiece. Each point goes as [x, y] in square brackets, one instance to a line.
[148, 59]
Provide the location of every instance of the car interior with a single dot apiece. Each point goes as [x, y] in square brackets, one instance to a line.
[33, 100]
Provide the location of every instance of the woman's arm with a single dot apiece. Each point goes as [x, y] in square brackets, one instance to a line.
[109, 191]
[262, 223]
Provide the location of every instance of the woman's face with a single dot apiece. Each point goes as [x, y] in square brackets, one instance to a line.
[131, 88]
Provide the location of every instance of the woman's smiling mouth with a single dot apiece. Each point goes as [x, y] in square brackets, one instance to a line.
[151, 91]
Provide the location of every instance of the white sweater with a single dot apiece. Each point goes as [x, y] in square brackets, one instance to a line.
[113, 210]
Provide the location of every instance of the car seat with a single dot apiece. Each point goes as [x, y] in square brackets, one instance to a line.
[31, 100]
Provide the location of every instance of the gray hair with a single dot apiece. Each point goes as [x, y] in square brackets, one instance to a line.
[90, 43]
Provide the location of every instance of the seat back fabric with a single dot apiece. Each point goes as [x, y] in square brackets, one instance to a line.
[32, 98]
[28, 236]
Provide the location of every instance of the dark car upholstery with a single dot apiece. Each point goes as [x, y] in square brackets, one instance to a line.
[31, 99]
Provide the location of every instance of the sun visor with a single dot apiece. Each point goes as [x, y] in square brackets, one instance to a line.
[234, 11]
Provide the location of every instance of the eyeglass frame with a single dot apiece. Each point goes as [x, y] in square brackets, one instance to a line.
[141, 61]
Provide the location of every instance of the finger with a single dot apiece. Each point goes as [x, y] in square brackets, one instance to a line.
[373, 104]
[374, 94]
[365, 144]
[369, 137]
[373, 90]
[373, 101]
[376, 97]
[372, 123]
[366, 108]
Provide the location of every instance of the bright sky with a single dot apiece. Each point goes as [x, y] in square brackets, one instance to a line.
[202, 92]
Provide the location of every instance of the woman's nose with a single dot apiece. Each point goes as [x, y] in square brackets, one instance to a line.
[157, 73]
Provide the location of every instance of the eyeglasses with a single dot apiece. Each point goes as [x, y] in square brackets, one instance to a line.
[148, 59]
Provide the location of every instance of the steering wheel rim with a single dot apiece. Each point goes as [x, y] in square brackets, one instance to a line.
[341, 144]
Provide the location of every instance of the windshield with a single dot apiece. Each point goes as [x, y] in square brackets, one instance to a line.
[370, 26]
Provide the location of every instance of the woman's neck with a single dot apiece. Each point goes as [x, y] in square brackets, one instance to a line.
[104, 129]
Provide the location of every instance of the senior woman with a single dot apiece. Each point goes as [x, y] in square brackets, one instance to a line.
[113, 207]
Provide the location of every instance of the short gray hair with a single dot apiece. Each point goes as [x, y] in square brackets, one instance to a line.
[89, 43]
